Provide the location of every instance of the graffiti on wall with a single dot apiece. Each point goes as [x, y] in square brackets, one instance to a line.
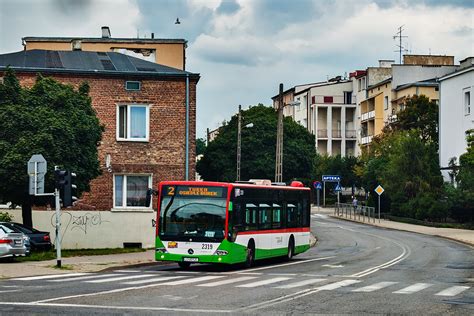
[82, 222]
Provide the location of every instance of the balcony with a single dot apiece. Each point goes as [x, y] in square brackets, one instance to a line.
[351, 133]
[336, 133]
[367, 116]
[367, 139]
[322, 133]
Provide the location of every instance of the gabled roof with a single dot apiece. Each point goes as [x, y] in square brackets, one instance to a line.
[84, 62]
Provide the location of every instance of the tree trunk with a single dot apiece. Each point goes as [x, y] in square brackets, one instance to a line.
[26, 211]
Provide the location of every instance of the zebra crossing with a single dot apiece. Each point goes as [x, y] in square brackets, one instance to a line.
[282, 282]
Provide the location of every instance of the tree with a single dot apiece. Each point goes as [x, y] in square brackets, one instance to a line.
[200, 146]
[51, 119]
[258, 149]
[418, 114]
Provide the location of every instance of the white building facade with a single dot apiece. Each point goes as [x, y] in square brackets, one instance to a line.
[456, 113]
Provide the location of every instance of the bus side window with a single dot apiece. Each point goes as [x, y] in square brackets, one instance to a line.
[265, 216]
[276, 222]
[291, 215]
[300, 215]
[250, 220]
[306, 213]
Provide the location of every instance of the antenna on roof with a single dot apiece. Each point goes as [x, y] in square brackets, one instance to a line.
[400, 47]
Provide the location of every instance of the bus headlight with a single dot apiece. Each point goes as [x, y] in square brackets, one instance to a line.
[161, 250]
[221, 252]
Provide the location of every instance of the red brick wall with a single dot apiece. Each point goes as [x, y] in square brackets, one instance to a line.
[163, 155]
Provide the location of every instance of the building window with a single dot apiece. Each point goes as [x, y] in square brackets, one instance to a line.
[130, 190]
[347, 97]
[133, 122]
[385, 102]
[467, 102]
[133, 85]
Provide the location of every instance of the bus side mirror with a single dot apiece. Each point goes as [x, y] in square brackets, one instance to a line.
[149, 193]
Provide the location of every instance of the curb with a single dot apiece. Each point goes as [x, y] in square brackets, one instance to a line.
[462, 241]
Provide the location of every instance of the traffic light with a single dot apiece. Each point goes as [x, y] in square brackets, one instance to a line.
[64, 179]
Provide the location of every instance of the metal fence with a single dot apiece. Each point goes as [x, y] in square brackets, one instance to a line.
[359, 212]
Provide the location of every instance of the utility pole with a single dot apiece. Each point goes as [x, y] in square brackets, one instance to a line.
[239, 130]
[400, 46]
[279, 143]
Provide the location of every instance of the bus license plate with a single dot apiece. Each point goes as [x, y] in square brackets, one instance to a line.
[191, 259]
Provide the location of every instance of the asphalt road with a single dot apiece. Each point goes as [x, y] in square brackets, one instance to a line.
[353, 269]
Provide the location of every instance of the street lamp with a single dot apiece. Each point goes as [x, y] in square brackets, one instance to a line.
[279, 144]
[239, 141]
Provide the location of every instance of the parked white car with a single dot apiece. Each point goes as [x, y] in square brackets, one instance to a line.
[11, 243]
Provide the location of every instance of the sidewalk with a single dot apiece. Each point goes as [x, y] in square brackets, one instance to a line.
[462, 235]
[78, 264]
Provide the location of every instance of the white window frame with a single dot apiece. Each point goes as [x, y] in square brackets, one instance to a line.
[147, 123]
[124, 206]
[467, 101]
[385, 102]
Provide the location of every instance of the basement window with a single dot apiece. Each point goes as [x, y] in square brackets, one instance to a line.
[133, 85]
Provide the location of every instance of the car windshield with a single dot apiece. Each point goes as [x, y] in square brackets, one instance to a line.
[190, 214]
[7, 229]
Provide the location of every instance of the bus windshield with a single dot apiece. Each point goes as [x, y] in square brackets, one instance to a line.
[192, 213]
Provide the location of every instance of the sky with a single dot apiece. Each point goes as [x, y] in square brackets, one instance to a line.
[243, 49]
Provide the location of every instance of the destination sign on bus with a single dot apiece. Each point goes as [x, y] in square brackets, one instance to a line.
[193, 191]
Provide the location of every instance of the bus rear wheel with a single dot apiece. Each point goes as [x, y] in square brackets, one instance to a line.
[291, 249]
[184, 265]
[250, 260]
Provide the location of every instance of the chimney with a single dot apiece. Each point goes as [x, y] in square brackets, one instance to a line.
[105, 32]
[152, 35]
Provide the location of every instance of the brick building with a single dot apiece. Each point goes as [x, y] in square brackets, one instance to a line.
[143, 108]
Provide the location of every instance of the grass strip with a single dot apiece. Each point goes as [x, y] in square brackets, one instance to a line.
[66, 253]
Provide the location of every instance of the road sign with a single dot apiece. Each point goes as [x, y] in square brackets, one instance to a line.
[379, 190]
[329, 178]
[338, 188]
[317, 185]
[37, 167]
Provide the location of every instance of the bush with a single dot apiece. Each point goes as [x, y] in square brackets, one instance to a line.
[5, 217]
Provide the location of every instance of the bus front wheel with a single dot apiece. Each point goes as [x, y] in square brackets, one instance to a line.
[184, 265]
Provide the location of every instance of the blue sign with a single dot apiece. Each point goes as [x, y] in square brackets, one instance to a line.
[319, 186]
[338, 188]
[332, 178]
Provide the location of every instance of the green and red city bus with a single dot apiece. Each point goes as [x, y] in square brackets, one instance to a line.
[228, 223]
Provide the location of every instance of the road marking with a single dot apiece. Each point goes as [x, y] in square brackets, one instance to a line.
[127, 271]
[108, 307]
[264, 282]
[285, 264]
[374, 287]
[336, 285]
[87, 277]
[154, 280]
[301, 283]
[120, 278]
[51, 276]
[413, 288]
[283, 274]
[8, 291]
[194, 280]
[453, 291]
[294, 296]
[332, 266]
[228, 281]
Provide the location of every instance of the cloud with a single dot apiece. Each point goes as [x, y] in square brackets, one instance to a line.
[228, 7]
[72, 18]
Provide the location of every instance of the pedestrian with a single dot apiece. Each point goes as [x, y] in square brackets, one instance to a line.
[354, 203]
